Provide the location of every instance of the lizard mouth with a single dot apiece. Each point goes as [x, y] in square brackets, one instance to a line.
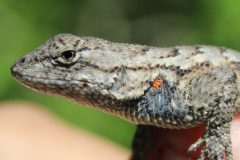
[33, 80]
[18, 75]
[36, 79]
[37, 84]
[49, 85]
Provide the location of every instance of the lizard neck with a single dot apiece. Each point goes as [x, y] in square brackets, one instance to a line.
[164, 107]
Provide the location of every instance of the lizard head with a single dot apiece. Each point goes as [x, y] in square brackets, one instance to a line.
[87, 70]
[84, 69]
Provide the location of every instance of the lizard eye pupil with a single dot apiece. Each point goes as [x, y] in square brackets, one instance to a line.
[70, 54]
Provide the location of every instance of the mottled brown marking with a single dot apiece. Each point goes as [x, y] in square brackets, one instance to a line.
[76, 43]
[61, 41]
[198, 51]
[175, 52]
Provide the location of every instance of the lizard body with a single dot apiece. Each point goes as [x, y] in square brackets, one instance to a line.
[175, 87]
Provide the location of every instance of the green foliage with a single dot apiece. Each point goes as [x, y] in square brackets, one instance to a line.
[26, 24]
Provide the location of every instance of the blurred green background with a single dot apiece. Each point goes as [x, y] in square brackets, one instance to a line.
[26, 24]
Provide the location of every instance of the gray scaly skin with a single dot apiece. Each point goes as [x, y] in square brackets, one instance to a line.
[200, 84]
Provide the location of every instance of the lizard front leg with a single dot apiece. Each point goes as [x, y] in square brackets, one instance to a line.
[140, 142]
[210, 100]
[216, 140]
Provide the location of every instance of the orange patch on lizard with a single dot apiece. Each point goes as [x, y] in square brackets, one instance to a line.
[157, 83]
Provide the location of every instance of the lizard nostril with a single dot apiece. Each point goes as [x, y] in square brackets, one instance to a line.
[22, 60]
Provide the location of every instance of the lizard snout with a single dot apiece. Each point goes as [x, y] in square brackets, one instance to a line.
[20, 64]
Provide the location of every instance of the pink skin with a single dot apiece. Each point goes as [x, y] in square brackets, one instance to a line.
[173, 144]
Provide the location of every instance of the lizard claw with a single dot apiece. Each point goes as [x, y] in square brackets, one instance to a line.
[196, 145]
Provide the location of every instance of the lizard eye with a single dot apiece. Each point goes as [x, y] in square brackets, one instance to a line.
[68, 57]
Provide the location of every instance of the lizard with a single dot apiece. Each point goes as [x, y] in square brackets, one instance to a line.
[172, 87]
